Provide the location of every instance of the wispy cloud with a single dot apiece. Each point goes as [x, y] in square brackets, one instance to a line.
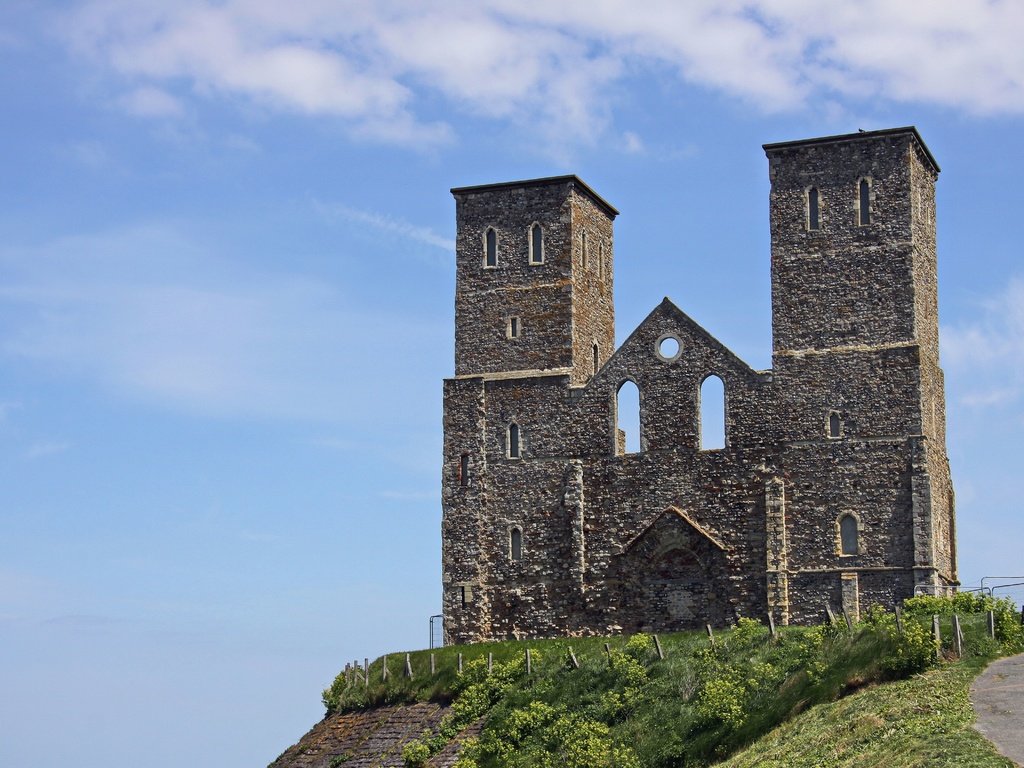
[550, 66]
[42, 448]
[385, 223]
[146, 312]
[148, 101]
[985, 355]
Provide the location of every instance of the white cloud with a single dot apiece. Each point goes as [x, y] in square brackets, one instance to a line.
[985, 356]
[549, 65]
[147, 313]
[42, 448]
[633, 144]
[148, 101]
[386, 223]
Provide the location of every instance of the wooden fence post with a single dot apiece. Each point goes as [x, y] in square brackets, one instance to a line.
[384, 668]
[992, 624]
[529, 662]
[657, 647]
[899, 620]
[366, 672]
[711, 634]
[460, 663]
[771, 625]
[572, 658]
[490, 662]
[936, 633]
[608, 653]
[408, 666]
[830, 614]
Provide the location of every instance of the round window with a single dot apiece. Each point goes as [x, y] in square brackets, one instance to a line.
[668, 347]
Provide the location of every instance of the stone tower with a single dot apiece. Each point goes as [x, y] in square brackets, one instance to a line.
[533, 278]
[855, 338]
[533, 313]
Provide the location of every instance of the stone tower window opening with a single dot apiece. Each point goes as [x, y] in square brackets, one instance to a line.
[711, 413]
[835, 425]
[668, 347]
[597, 360]
[515, 545]
[600, 261]
[628, 438]
[813, 209]
[536, 244]
[490, 247]
[463, 597]
[849, 535]
[864, 202]
[514, 442]
[464, 470]
[583, 250]
[514, 327]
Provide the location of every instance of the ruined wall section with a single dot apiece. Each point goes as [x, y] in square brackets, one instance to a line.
[720, 491]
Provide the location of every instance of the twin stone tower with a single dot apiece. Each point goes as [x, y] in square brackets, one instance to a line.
[832, 485]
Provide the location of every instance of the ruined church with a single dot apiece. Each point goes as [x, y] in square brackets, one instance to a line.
[832, 487]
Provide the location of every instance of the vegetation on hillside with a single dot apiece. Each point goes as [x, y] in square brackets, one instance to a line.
[596, 702]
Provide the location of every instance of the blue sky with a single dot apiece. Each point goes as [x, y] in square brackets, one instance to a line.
[226, 304]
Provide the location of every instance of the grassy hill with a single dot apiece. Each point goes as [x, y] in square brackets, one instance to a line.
[588, 702]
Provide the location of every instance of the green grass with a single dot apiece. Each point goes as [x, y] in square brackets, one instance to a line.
[703, 703]
[922, 722]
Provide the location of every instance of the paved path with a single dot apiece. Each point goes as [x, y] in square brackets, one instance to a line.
[998, 697]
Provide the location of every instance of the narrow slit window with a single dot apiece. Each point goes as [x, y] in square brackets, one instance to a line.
[536, 244]
[835, 425]
[583, 249]
[848, 535]
[864, 196]
[491, 247]
[600, 261]
[464, 470]
[514, 447]
[711, 413]
[627, 419]
[596, 359]
[515, 545]
[462, 596]
[813, 209]
[514, 327]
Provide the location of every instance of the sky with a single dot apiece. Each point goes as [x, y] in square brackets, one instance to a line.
[227, 291]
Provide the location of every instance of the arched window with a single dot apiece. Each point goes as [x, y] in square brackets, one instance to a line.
[490, 248]
[848, 535]
[864, 202]
[536, 244]
[514, 447]
[835, 425]
[711, 413]
[596, 360]
[627, 419]
[464, 470]
[813, 206]
[515, 545]
[583, 250]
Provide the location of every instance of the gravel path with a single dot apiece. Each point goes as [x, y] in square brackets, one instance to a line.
[998, 697]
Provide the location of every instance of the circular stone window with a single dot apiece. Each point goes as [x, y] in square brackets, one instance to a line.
[668, 347]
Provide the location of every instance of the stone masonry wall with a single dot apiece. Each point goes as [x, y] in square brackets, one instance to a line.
[562, 532]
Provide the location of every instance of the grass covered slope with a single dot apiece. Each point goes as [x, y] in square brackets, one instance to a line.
[921, 722]
[585, 704]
